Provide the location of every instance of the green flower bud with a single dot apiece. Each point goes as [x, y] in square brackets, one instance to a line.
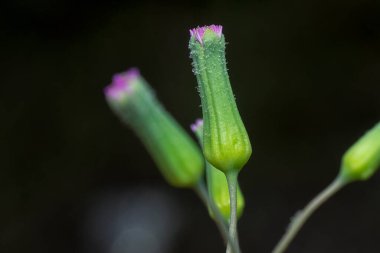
[217, 183]
[363, 158]
[177, 156]
[226, 142]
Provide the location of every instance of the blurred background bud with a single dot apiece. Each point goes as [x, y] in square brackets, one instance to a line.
[175, 153]
[362, 159]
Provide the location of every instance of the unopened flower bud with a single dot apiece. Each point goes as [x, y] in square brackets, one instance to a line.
[363, 158]
[217, 183]
[226, 142]
[175, 153]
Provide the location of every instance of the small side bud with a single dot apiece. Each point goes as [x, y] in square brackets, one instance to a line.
[217, 183]
[226, 142]
[362, 159]
[176, 154]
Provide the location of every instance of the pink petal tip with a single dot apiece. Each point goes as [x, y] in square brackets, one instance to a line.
[121, 83]
[196, 125]
[199, 32]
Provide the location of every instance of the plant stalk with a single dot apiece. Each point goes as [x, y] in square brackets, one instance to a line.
[232, 187]
[201, 190]
[301, 217]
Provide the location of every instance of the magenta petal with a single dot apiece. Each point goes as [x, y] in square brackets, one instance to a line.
[121, 83]
[196, 125]
[193, 127]
[199, 32]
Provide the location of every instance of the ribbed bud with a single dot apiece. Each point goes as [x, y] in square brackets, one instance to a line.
[217, 183]
[226, 142]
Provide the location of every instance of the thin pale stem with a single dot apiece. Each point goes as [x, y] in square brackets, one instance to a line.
[201, 190]
[232, 188]
[301, 216]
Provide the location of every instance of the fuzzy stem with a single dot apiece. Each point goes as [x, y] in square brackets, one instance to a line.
[232, 187]
[301, 216]
[201, 190]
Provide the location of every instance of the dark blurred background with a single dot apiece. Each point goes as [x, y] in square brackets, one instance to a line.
[74, 179]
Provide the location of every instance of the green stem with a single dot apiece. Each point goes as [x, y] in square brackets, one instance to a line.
[201, 190]
[301, 216]
[232, 188]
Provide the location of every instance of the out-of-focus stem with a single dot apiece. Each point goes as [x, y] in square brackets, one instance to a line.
[301, 216]
[201, 190]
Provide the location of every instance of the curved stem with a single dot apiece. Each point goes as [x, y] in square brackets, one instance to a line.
[201, 190]
[232, 188]
[301, 216]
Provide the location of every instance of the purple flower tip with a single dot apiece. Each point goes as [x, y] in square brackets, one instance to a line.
[199, 32]
[121, 83]
[196, 125]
